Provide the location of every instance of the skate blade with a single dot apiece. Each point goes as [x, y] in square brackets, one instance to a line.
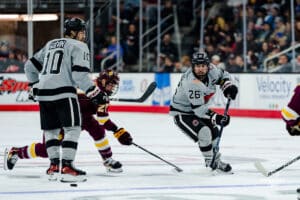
[5, 167]
[114, 171]
[53, 177]
[217, 172]
[67, 178]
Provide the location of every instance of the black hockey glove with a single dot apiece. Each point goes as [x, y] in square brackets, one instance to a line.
[32, 91]
[293, 130]
[97, 96]
[220, 119]
[229, 90]
[123, 136]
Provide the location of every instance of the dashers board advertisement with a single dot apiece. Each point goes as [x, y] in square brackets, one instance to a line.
[267, 91]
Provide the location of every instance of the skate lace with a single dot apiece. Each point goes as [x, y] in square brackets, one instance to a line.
[110, 162]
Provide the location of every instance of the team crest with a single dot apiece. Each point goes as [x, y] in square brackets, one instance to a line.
[195, 122]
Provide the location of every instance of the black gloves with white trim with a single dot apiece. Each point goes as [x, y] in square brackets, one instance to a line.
[217, 119]
[32, 91]
[229, 90]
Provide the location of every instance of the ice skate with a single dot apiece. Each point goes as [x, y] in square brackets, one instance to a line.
[113, 165]
[218, 165]
[53, 172]
[10, 158]
[70, 174]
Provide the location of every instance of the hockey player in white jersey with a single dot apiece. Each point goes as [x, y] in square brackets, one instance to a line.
[189, 106]
[55, 72]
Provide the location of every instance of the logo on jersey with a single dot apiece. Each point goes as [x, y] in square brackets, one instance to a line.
[195, 122]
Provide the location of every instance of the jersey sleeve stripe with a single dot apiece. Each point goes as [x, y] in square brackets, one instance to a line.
[56, 91]
[36, 64]
[77, 68]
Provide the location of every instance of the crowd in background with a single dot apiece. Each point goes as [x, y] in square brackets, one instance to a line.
[268, 32]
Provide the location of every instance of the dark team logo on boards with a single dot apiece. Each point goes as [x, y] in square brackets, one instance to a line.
[11, 86]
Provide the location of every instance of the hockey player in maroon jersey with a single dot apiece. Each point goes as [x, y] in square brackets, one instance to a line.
[108, 82]
[291, 113]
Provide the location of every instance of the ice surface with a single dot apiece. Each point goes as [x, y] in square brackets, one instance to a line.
[145, 177]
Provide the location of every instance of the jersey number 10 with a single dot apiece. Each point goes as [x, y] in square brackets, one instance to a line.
[53, 62]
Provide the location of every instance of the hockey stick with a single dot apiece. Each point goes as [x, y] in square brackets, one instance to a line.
[263, 170]
[175, 167]
[146, 94]
[216, 147]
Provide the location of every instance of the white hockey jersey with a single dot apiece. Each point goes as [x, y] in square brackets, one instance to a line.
[192, 95]
[59, 68]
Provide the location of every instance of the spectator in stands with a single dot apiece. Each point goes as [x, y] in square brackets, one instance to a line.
[168, 48]
[161, 62]
[297, 29]
[183, 65]
[168, 66]
[283, 65]
[111, 52]
[264, 33]
[131, 46]
[210, 50]
[264, 52]
[252, 62]
[230, 64]
[238, 67]
[259, 18]
[216, 60]
[279, 28]
[238, 47]
[297, 64]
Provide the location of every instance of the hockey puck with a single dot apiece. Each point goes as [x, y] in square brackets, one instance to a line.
[73, 185]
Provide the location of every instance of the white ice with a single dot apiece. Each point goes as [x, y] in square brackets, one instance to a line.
[145, 177]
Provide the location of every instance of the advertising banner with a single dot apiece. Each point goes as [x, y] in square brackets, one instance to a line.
[267, 91]
[162, 94]
[13, 89]
[133, 86]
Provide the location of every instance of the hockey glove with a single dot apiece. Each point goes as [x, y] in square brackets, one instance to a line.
[229, 90]
[97, 96]
[32, 91]
[293, 130]
[220, 119]
[123, 136]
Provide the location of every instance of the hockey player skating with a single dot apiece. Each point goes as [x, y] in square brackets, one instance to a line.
[190, 109]
[108, 82]
[56, 71]
[291, 114]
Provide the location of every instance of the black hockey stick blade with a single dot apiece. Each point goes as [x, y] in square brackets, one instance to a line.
[176, 168]
[143, 98]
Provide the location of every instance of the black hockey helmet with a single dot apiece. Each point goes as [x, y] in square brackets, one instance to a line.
[108, 77]
[74, 24]
[200, 58]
